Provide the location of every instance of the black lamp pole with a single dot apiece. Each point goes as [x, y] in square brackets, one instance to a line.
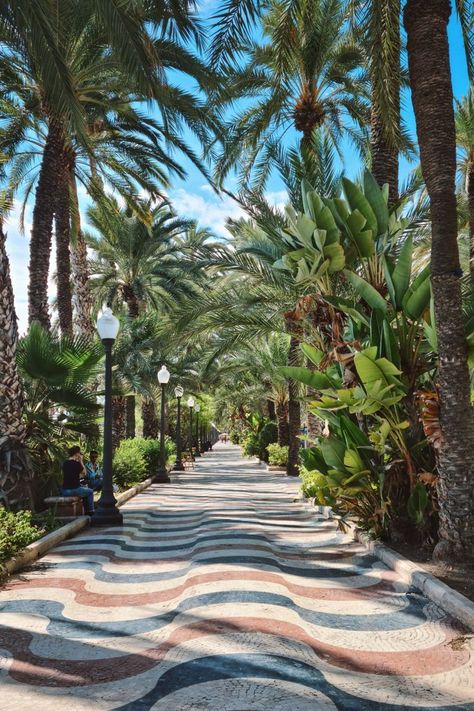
[162, 475]
[107, 513]
[191, 431]
[178, 466]
[202, 449]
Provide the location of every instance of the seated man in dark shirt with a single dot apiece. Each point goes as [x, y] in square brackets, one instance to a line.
[73, 472]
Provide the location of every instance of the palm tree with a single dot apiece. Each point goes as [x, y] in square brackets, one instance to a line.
[378, 24]
[465, 142]
[304, 76]
[428, 52]
[137, 263]
[11, 390]
[98, 41]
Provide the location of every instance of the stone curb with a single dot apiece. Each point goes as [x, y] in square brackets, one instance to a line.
[456, 604]
[45, 543]
[42, 545]
[130, 493]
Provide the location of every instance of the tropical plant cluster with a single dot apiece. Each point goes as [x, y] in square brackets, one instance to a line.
[331, 330]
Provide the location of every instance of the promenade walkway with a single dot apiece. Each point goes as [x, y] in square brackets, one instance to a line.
[221, 593]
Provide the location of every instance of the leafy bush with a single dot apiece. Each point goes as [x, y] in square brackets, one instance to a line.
[277, 455]
[129, 464]
[137, 459]
[16, 532]
[234, 437]
[268, 435]
[250, 445]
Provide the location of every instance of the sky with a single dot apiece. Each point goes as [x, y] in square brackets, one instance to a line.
[194, 198]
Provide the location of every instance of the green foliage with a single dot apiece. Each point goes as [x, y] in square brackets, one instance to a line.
[268, 435]
[277, 455]
[251, 445]
[137, 459]
[16, 532]
[60, 401]
[129, 465]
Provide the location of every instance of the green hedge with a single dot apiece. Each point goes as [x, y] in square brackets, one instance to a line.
[268, 435]
[16, 532]
[277, 455]
[137, 459]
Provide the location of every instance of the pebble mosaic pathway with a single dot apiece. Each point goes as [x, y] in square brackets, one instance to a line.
[221, 593]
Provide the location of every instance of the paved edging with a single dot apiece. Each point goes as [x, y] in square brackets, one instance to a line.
[130, 493]
[42, 545]
[45, 543]
[457, 605]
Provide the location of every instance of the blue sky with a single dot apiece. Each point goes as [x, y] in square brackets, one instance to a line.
[194, 198]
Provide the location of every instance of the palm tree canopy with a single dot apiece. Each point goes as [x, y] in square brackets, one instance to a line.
[304, 75]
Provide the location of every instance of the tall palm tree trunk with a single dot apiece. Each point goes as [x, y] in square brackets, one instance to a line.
[63, 239]
[11, 391]
[81, 299]
[118, 420]
[282, 424]
[470, 202]
[386, 47]
[41, 232]
[130, 423]
[294, 411]
[151, 426]
[430, 75]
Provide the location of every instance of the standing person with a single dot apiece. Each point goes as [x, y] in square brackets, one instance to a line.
[94, 472]
[73, 471]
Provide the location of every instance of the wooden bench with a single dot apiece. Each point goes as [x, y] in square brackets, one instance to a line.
[66, 506]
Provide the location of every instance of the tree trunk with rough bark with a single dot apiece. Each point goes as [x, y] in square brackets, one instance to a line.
[11, 390]
[430, 75]
[315, 424]
[294, 411]
[470, 202]
[118, 420]
[81, 298]
[271, 409]
[282, 423]
[130, 416]
[63, 239]
[151, 426]
[384, 144]
[41, 232]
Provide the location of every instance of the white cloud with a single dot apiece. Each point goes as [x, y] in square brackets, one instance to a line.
[212, 212]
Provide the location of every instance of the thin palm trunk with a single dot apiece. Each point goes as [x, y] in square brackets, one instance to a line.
[383, 142]
[41, 232]
[11, 391]
[470, 200]
[82, 300]
[130, 416]
[315, 425]
[118, 420]
[151, 426]
[282, 423]
[294, 411]
[63, 255]
[430, 74]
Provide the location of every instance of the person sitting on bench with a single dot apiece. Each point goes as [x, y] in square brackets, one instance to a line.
[73, 472]
[94, 471]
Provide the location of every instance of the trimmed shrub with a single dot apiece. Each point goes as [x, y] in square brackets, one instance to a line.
[129, 466]
[234, 437]
[277, 455]
[250, 445]
[137, 459]
[268, 435]
[16, 532]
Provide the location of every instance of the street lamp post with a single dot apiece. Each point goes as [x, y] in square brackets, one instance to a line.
[107, 513]
[162, 475]
[197, 408]
[203, 437]
[179, 466]
[191, 405]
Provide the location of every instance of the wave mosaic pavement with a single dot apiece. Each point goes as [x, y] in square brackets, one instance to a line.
[221, 593]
